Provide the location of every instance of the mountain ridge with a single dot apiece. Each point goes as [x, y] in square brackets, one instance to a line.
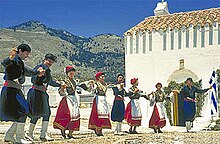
[103, 52]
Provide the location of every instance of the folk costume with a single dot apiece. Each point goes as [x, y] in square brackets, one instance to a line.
[118, 109]
[13, 105]
[189, 103]
[99, 117]
[133, 114]
[158, 118]
[39, 100]
[68, 115]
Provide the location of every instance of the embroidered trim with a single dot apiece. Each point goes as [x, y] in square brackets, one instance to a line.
[99, 128]
[63, 128]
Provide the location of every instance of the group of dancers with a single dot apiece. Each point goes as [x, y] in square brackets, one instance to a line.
[14, 107]
[68, 116]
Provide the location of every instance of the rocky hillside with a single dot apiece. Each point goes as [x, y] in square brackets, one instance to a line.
[36, 26]
[99, 53]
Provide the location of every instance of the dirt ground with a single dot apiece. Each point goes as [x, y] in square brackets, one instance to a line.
[143, 138]
[148, 137]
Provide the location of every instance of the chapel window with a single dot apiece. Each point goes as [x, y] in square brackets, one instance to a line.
[172, 40]
[144, 42]
[210, 35]
[203, 37]
[137, 42]
[150, 41]
[164, 41]
[131, 44]
[187, 37]
[179, 39]
[194, 37]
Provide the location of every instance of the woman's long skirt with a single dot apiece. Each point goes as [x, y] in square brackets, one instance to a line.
[68, 115]
[133, 113]
[99, 117]
[157, 119]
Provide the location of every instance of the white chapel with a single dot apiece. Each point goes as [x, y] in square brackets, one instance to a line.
[167, 47]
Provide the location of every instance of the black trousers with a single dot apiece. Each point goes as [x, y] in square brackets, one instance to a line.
[13, 105]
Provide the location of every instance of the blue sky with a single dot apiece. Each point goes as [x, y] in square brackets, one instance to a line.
[90, 17]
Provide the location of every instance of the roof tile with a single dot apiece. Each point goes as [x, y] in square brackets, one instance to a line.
[178, 20]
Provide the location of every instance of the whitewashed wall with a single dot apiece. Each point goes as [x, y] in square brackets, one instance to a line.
[157, 65]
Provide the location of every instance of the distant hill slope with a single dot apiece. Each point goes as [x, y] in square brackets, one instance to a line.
[99, 53]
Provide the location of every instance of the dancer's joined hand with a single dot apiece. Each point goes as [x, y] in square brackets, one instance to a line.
[63, 85]
[41, 70]
[136, 90]
[91, 83]
[13, 53]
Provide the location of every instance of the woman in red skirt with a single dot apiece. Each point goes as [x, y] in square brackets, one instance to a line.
[157, 120]
[133, 114]
[68, 116]
[99, 117]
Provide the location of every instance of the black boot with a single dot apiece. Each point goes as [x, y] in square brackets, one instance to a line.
[70, 136]
[129, 131]
[155, 130]
[63, 133]
[134, 130]
[159, 131]
[98, 133]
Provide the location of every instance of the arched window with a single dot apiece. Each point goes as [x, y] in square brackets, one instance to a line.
[131, 44]
[210, 35]
[187, 37]
[172, 40]
[144, 43]
[164, 40]
[179, 39]
[218, 34]
[137, 42]
[195, 37]
[150, 41]
[203, 37]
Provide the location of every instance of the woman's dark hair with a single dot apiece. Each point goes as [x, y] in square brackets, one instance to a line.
[24, 47]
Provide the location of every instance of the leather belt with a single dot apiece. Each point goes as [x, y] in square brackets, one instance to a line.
[186, 99]
[12, 84]
[39, 87]
[119, 97]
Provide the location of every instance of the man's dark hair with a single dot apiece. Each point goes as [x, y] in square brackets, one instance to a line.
[24, 47]
[119, 74]
[51, 57]
[189, 79]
